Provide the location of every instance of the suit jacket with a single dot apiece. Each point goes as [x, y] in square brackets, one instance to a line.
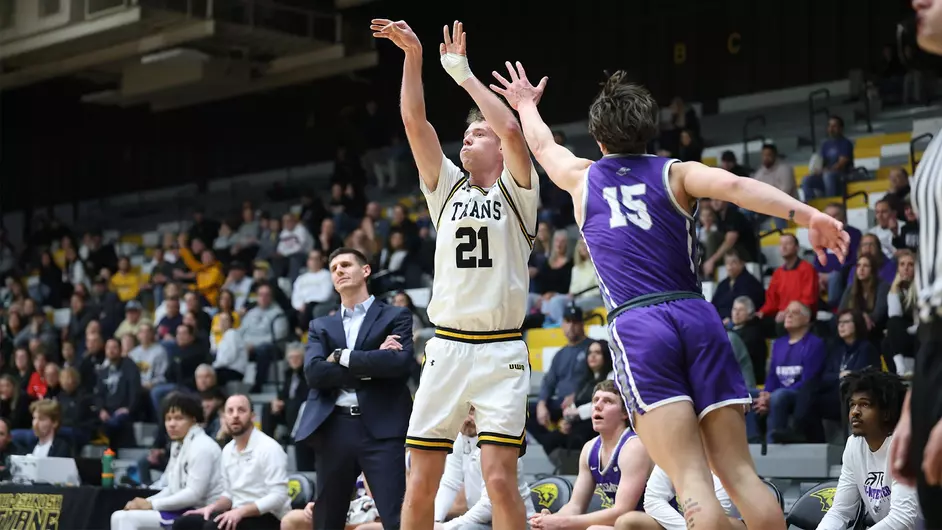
[378, 376]
[61, 447]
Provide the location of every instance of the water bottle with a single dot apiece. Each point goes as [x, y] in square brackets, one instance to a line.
[107, 473]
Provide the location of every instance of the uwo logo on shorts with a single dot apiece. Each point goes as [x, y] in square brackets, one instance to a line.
[826, 496]
[547, 494]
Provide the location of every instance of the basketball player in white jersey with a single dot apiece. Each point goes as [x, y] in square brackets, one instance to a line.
[485, 222]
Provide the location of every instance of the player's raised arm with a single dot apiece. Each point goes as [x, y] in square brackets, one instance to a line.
[693, 180]
[564, 168]
[426, 148]
[454, 58]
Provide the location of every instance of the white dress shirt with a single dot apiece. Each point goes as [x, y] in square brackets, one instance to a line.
[866, 476]
[463, 468]
[258, 474]
[659, 492]
[42, 449]
[352, 321]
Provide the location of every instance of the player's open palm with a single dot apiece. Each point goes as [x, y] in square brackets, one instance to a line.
[827, 233]
[518, 89]
[455, 41]
[398, 32]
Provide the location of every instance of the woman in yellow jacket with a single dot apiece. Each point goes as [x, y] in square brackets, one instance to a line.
[126, 283]
[209, 276]
[226, 304]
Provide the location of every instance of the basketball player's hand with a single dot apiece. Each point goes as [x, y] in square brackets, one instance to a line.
[398, 32]
[899, 448]
[391, 343]
[457, 45]
[932, 456]
[518, 89]
[827, 233]
[309, 510]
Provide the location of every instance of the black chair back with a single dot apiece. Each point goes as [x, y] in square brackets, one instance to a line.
[810, 508]
[550, 493]
[301, 490]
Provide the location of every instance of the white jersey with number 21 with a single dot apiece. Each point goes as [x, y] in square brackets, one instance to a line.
[481, 251]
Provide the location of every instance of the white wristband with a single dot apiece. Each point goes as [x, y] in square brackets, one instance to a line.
[457, 67]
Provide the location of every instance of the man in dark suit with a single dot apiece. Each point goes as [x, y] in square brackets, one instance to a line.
[46, 418]
[357, 365]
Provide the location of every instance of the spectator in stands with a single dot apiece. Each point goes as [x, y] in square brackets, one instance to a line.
[151, 359]
[109, 307]
[691, 148]
[48, 442]
[268, 242]
[68, 355]
[51, 375]
[778, 174]
[208, 270]
[194, 307]
[555, 275]
[583, 287]
[795, 280]
[327, 238]
[193, 476]
[464, 477]
[875, 402]
[245, 241]
[203, 228]
[238, 283]
[50, 281]
[223, 243]
[212, 401]
[284, 409]
[908, 238]
[225, 305]
[868, 294]
[888, 227]
[900, 342]
[870, 246]
[38, 328]
[853, 349]
[79, 420]
[797, 359]
[22, 367]
[682, 117]
[99, 255]
[313, 291]
[117, 394]
[7, 448]
[621, 485]
[402, 299]
[661, 507]
[262, 276]
[94, 355]
[13, 406]
[171, 291]
[575, 428]
[737, 233]
[709, 238]
[729, 163]
[133, 320]
[374, 216]
[837, 274]
[36, 386]
[738, 282]
[262, 328]
[294, 242]
[161, 273]
[898, 191]
[128, 343]
[79, 317]
[562, 380]
[125, 282]
[231, 354]
[15, 292]
[254, 478]
[837, 153]
[397, 265]
[73, 269]
[171, 320]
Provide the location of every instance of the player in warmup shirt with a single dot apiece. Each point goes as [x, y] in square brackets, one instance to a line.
[660, 507]
[875, 401]
[486, 222]
[673, 361]
[917, 442]
[613, 465]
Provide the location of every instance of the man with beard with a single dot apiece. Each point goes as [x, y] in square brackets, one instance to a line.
[192, 477]
[254, 478]
[874, 401]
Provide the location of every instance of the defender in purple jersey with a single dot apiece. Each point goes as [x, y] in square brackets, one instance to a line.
[675, 364]
[613, 466]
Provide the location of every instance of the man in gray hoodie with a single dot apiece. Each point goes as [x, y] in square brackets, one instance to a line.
[262, 327]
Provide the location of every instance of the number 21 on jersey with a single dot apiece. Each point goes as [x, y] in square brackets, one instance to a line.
[471, 239]
[626, 205]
